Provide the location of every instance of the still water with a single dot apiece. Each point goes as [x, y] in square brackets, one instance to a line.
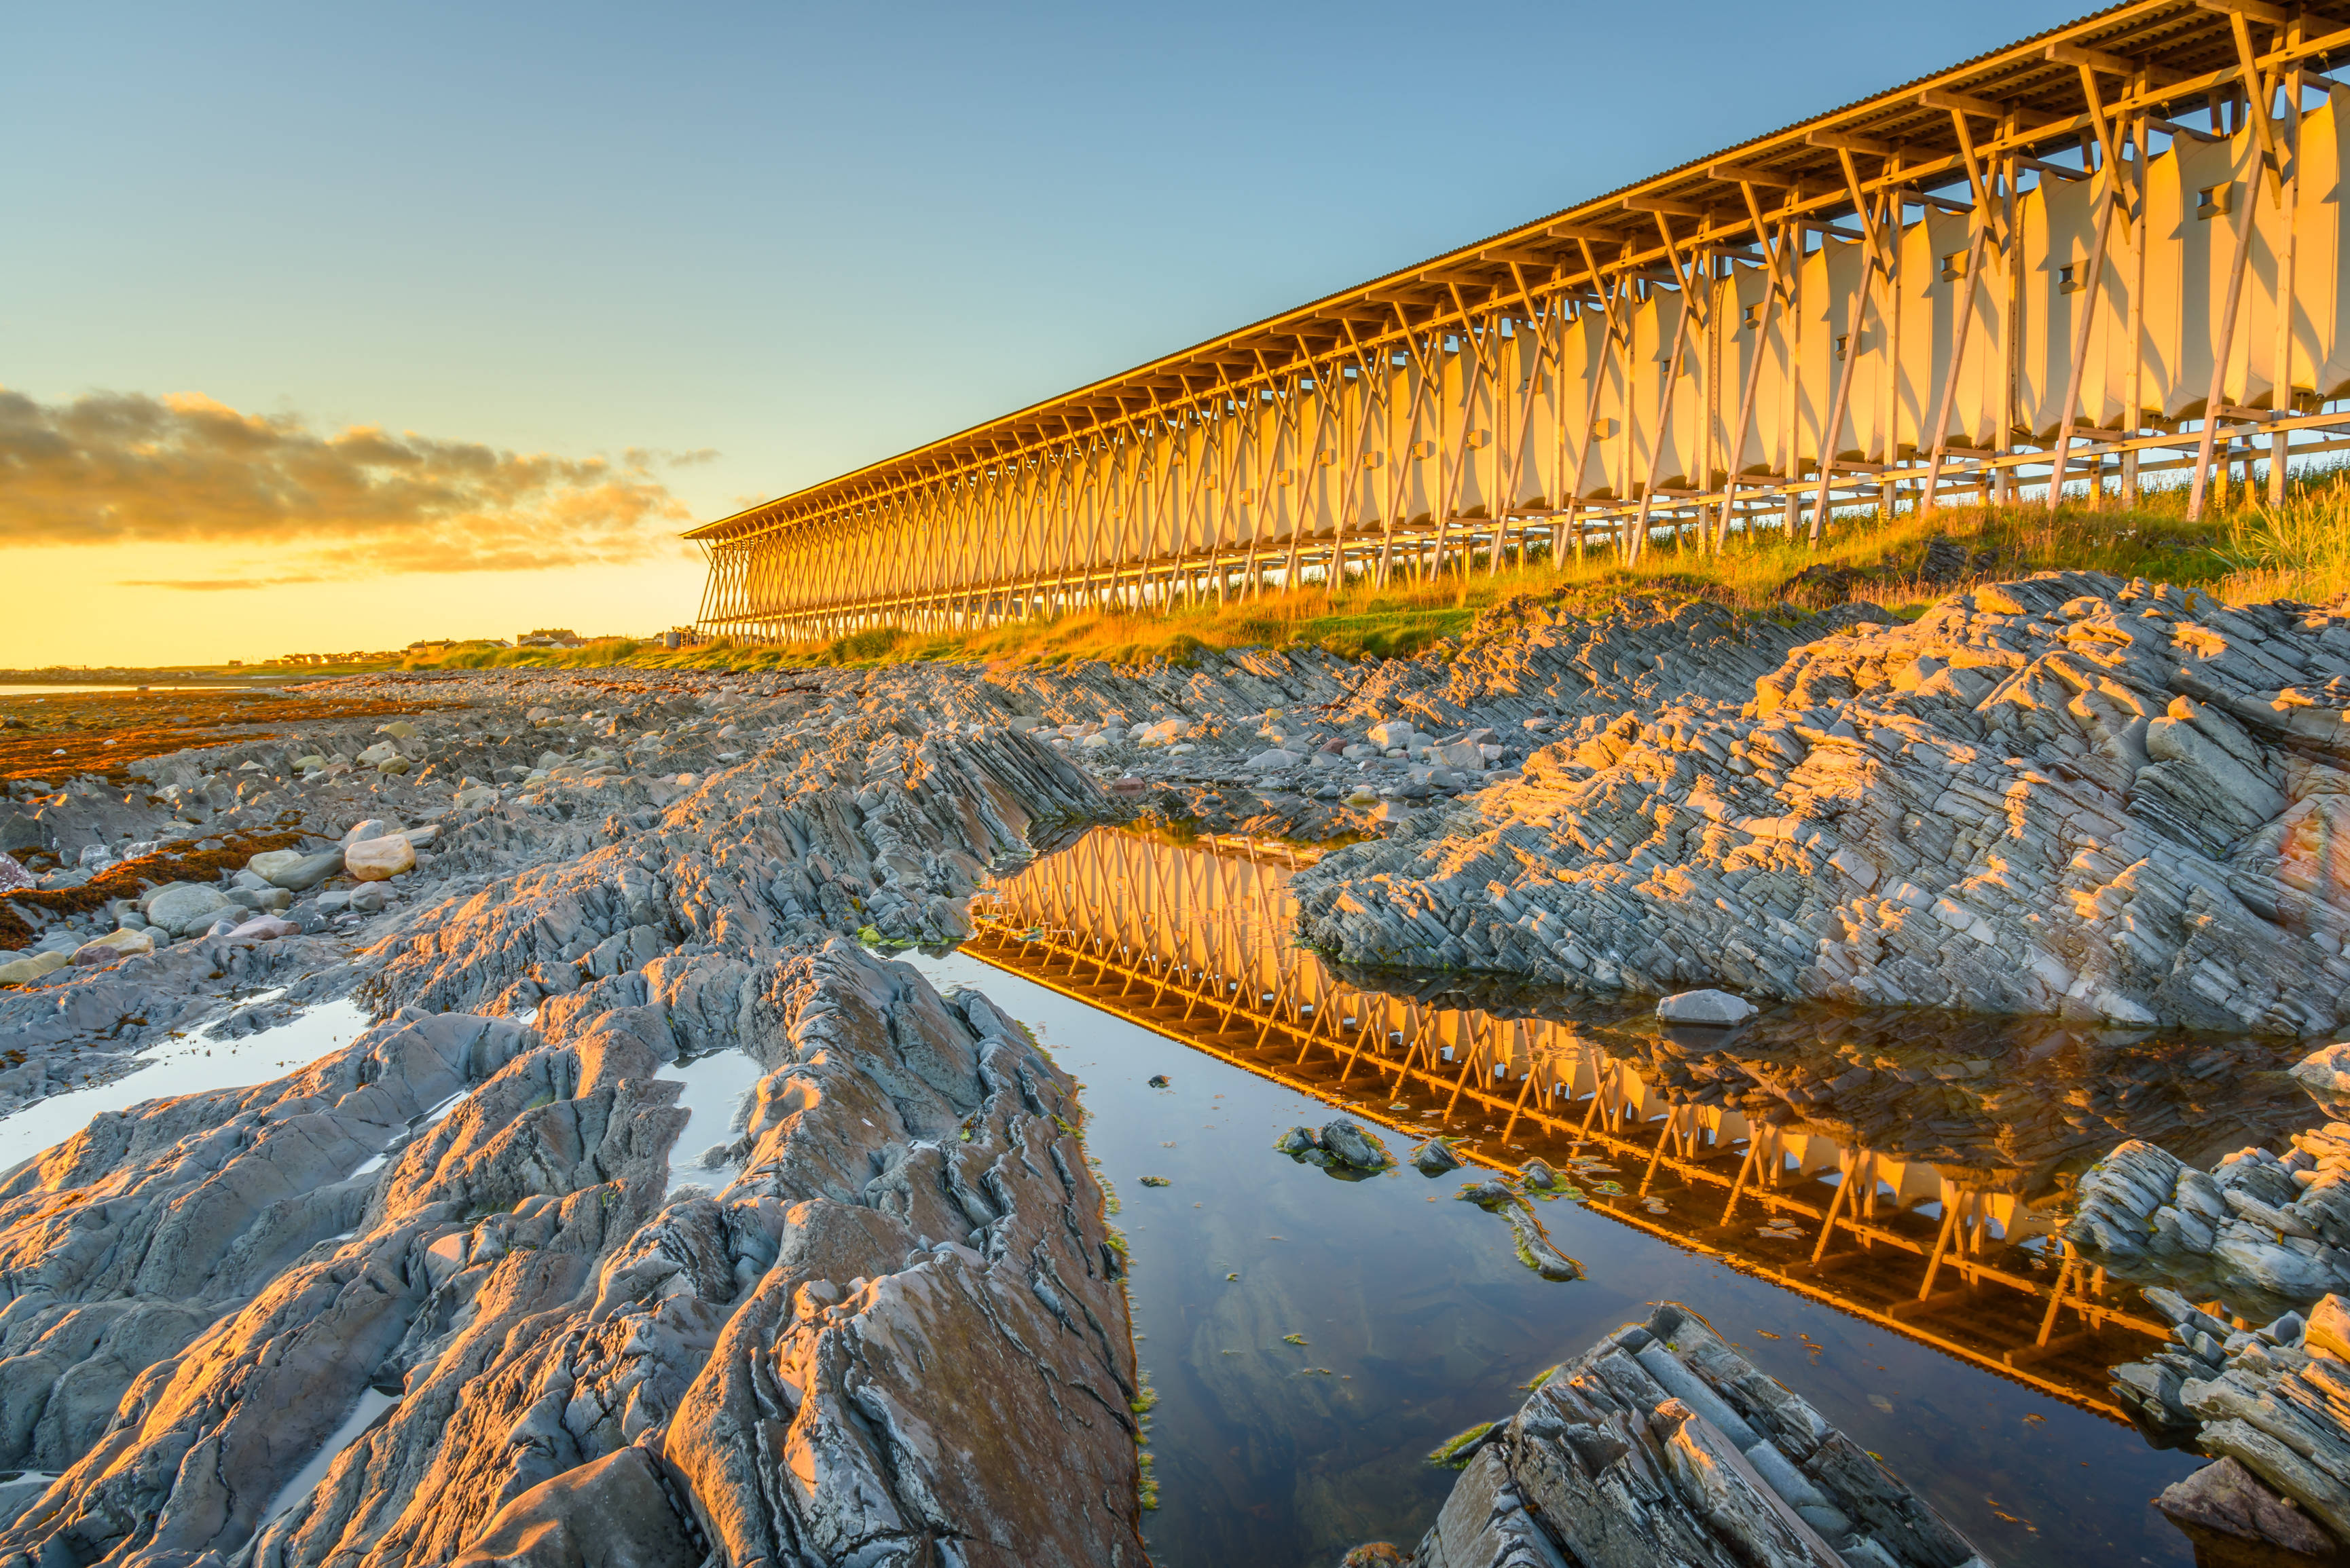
[1419, 1319]
[186, 1064]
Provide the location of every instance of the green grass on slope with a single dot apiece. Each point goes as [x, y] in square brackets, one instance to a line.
[2300, 550]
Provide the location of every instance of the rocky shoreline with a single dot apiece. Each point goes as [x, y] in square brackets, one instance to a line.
[2108, 801]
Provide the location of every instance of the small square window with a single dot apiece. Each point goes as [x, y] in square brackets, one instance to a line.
[2215, 200]
[1954, 267]
[2068, 280]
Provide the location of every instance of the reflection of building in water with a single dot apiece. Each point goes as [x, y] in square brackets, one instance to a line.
[1908, 1168]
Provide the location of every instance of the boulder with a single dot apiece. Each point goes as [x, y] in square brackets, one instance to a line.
[12, 876]
[185, 906]
[1394, 732]
[1349, 1142]
[380, 755]
[112, 948]
[1434, 1158]
[370, 828]
[20, 833]
[307, 871]
[1297, 1141]
[26, 971]
[1718, 1008]
[1457, 754]
[374, 859]
[270, 861]
[2233, 1519]
[1275, 758]
[263, 928]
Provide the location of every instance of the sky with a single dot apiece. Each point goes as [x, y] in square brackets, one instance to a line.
[326, 328]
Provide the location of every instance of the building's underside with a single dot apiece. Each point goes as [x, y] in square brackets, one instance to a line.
[2121, 239]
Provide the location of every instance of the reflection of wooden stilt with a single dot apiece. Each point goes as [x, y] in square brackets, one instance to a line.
[1650, 1175]
[1457, 1085]
[1526, 1088]
[1754, 1148]
[1843, 1191]
[1941, 1243]
[2057, 1296]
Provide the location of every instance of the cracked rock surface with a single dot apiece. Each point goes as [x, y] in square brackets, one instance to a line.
[896, 1334]
[2067, 794]
[1660, 1445]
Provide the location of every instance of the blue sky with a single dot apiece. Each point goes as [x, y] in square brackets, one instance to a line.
[808, 237]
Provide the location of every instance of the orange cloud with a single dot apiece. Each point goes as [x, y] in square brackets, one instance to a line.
[125, 469]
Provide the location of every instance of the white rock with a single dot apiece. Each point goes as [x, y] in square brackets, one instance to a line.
[1275, 758]
[1462, 754]
[373, 859]
[1715, 1007]
[1394, 732]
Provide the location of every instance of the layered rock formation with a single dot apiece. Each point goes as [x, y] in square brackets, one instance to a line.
[2068, 795]
[1660, 1445]
[2269, 1404]
[895, 1335]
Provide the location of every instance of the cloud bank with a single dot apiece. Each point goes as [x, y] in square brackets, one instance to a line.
[115, 469]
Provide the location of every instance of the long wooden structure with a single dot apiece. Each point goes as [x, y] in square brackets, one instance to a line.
[1193, 943]
[2112, 250]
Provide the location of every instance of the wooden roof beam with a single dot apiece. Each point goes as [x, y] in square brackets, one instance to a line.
[1845, 142]
[2112, 65]
[1748, 174]
[1588, 233]
[1671, 205]
[2259, 11]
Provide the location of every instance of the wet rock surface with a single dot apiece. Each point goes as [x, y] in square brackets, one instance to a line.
[1662, 1445]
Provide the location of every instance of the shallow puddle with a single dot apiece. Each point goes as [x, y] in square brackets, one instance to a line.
[716, 1083]
[185, 1066]
[1411, 1314]
[372, 1404]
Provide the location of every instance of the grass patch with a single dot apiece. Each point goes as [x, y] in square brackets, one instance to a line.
[2246, 551]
